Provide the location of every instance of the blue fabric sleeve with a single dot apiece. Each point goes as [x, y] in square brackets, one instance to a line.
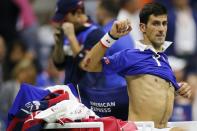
[119, 61]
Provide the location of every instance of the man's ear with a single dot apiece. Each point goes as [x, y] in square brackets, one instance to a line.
[143, 27]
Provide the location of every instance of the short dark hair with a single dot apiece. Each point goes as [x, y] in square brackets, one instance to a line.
[151, 9]
[111, 6]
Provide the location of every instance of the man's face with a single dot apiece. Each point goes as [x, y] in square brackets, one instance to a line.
[78, 18]
[155, 30]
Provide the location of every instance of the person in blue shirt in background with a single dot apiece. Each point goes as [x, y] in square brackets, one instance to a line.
[106, 15]
[150, 79]
[74, 36]
[114, 84]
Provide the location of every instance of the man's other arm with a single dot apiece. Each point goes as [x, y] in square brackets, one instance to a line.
[92, 61]
[58, 55]
[67, 29]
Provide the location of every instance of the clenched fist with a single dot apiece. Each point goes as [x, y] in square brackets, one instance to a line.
[68, 29]
[120, 28]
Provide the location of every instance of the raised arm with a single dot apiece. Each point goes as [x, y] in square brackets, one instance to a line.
[66, 29]
[69, 32]
[58, 52]
[92, 61]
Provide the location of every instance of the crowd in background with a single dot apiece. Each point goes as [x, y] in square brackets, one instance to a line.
[26, 44]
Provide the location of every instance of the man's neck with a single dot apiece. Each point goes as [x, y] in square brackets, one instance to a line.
[147, 42]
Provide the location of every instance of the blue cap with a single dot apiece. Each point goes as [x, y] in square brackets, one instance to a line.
[65, 6]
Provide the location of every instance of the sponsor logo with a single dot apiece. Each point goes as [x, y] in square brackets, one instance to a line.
[104, 107]
[107, 41]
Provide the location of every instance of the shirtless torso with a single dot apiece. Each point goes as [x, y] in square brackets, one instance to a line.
[151, 98]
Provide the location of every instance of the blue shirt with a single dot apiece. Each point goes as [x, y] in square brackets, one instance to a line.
[141, 60]
[26, 94]
[87, 37]
[181, 112]
[125, 42]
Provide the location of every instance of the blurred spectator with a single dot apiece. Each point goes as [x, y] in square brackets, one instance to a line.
[18, 52]
[50, 76]
[28, 28]
[178, 66]
[90, 6]
[23, 72]
[45, 34]
[2, 124]
[169, 3]
[9, 15]
[74, 36]
[129, 9]
[27, 17]
[182, 30]
[192, 80]
[106, 15]
[2, 49]
[166, 3]
[2, 58]
[194, 4]
[182, 110]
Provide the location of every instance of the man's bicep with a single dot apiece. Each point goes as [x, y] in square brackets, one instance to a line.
[84, 65]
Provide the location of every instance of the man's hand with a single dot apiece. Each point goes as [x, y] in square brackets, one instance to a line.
[120, 28]
[68, 29]
[185, 90]
[69, 32]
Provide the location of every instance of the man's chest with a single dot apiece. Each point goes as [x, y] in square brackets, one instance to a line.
[148, 82]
